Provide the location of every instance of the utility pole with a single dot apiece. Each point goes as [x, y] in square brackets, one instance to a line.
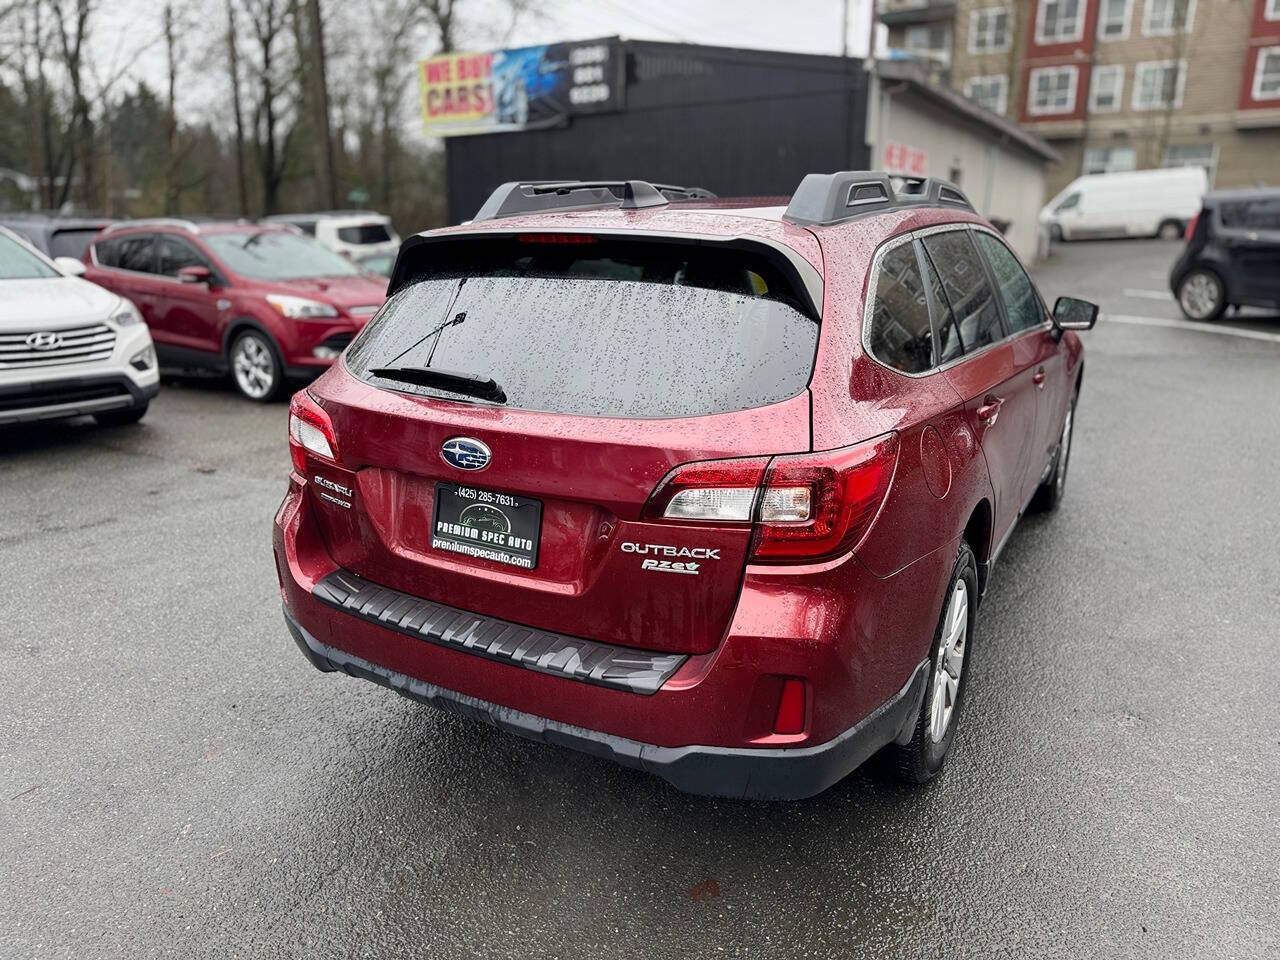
[241, 190]
[319, 83]
[844, 28]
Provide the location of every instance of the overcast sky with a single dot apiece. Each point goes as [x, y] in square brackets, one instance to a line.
[126, 33]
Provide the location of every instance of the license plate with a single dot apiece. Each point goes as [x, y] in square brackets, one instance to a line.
[484, 523]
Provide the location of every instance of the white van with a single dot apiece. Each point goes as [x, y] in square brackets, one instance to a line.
[1140, 203]
[353, 233]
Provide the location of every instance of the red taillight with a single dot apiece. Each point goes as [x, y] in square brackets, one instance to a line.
[790, 716]
[556, 238]
[848, 486]
[1191, 227]
[310, 430]
[805, 507]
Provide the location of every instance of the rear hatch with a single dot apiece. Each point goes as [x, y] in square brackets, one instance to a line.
[501, 425]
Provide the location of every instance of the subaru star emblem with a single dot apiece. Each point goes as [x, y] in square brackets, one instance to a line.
[45, 340]
[465, 453]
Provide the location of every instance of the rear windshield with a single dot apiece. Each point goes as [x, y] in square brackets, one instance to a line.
[368, 233]
[617, 328]
[71, 243]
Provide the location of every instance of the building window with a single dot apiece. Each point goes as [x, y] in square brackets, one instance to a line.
[990, 92]
[1158, 85]
[1110, 159]
[1052, 90]
[1106, 89]
[1192, 155]
[989, 30]
[1161, 17]
[931, 40]
[1272, 10]
[1113, 19]
[1059, 21]
[1266, 74]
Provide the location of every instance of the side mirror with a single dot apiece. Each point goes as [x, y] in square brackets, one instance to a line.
[195, 274]
[1072, 314]
[70, 266]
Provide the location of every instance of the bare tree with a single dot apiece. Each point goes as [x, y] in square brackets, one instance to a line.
[73, 30]
[316, 74]
[271, 138]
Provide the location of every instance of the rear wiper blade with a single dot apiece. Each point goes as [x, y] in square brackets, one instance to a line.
[471, 384]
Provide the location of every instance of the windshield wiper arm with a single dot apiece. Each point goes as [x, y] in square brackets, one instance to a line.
[471, 384]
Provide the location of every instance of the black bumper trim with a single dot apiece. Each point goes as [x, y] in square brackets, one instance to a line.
[623, 668]
[742, 773]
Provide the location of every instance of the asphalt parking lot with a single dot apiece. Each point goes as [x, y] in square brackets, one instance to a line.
[176, 781]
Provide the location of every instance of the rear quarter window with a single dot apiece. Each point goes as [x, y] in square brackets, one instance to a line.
[899, 335]
[607, 327]
[367, 233]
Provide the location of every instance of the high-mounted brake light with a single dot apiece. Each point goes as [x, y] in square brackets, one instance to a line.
[806, 506]
[310, 429]
[556, 238]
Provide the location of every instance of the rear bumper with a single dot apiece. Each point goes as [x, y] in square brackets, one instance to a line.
[705, 723]
[747, 773]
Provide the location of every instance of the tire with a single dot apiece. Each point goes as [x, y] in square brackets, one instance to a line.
[921, 758]
[121, 418]
[1170, 230]
[1051, 490]
[255, 365]
[1202, 295]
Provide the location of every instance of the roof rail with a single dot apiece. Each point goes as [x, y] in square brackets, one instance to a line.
[545, 196]
[188, 225]
[825, 198]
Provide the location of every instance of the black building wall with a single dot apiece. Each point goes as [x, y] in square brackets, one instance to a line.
[738, 122]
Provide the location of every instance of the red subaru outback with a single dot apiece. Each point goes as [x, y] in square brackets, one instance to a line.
[264, 303]
[710, 488]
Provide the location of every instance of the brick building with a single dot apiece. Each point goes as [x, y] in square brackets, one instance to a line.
[1114, 84]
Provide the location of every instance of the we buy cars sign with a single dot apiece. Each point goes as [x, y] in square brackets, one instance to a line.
[524, 88]
[905, 160]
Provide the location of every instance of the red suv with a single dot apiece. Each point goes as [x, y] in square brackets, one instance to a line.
[264, 302]
[710, 488]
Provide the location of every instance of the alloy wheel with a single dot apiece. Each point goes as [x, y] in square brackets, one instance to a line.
[1199, 295]
[950, 665]
[253, 366]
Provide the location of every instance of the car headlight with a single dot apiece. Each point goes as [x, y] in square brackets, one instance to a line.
[126, 315]
[300, 307]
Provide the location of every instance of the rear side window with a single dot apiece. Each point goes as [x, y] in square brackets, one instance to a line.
[368, 233]
[949, 344]
[900, 336]
[1021, 304]
[964, 280]
[1252, 214]
[128, 253]
[600, 327]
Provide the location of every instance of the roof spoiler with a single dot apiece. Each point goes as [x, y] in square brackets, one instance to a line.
[545, 196]
[826, 198]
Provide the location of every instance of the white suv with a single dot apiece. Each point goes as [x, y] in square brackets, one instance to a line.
[353, 233]
[67, 346]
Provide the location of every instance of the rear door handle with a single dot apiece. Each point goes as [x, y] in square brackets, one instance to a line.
[990, 409]
[1038, 378]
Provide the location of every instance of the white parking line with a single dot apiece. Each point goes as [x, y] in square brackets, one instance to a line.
[1193, 326]
[1149, 294]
